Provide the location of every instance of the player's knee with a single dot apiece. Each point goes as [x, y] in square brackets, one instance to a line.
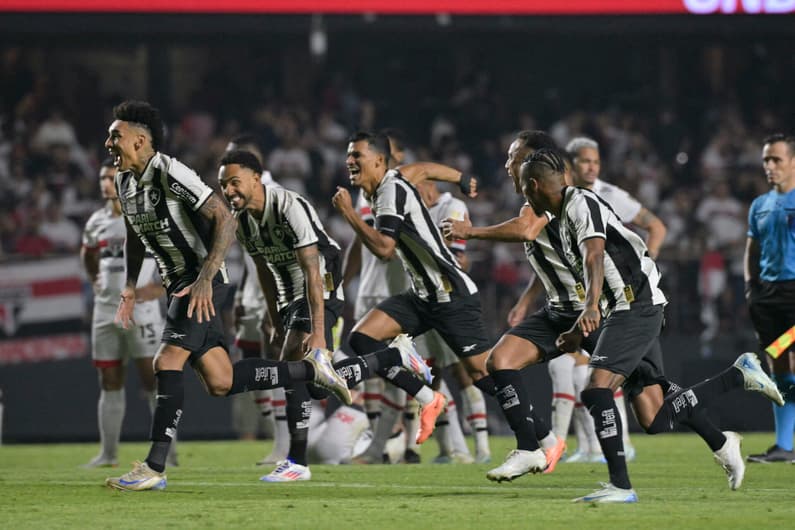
[220, 387]
[597, 399]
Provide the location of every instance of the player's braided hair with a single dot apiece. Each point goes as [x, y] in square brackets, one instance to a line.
[549, 159]
[143, 115]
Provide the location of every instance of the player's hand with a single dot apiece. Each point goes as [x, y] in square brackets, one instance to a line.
[201, 299]
[589, 320]
[473, 188]
[124, 313]
[453, 229]
[569, 341]
[342, 200]
[314, 340]
[517, 314]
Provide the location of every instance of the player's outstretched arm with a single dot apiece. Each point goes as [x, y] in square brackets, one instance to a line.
[419, 171]
[524, 227]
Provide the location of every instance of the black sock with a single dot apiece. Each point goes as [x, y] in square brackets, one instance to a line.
[486, 385]
[258, 374]
[513, 398]
[602, 406]
[402, 379]
[299, 409]
[682, 404]
[168, 410]
[356, 369]
[363, 344]
[701, 425]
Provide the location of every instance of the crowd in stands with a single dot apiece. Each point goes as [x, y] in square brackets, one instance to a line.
[697, 172]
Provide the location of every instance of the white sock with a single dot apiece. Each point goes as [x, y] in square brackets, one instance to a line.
[424, 396]
[621, 405]
[561, 372]
[281, 433]
[474, 406]
[411, 421]
[581, 416]
[394, 399]
[373, 392]
[110, 414]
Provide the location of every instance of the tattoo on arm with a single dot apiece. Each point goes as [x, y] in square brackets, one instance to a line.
[134, 252]
[224, 226]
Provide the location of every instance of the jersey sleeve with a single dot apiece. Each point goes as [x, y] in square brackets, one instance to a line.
[91, 232]
[753, 229]
[186, 185]
[587, 218]
[298, 214]
[390, 205]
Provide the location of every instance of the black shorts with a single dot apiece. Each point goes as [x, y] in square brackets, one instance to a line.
[649, 372]
[543, 327]
[772, 309]
[296, 316]
[187, 332]
[459, 322]
[628, 339]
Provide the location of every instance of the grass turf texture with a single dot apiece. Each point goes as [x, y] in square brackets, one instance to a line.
[217, 486]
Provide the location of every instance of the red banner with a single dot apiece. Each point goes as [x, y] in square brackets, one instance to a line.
[466, 7]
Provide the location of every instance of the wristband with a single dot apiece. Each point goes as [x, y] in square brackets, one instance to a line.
[465, 184]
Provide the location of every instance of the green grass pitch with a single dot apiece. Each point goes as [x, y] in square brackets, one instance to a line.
[216, 486]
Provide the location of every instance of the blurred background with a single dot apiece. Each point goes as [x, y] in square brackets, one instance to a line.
[679, 94]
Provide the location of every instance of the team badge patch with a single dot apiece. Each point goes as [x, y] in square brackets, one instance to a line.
[154, 196]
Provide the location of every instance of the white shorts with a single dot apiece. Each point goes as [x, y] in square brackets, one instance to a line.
[112, 345]
[333, 441]
[431, 346]
[249, 329]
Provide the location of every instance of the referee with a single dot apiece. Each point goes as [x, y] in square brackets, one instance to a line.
[770, 280]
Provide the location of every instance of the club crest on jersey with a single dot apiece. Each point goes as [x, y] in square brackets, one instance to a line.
[154, 196]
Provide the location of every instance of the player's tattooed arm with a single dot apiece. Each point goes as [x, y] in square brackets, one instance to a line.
[656, 228]
[419, 171]
[223, 233]
[309, 259]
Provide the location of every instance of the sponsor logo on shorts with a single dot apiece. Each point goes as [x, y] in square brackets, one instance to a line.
[177, 335]
[467, 349]
[598, 358]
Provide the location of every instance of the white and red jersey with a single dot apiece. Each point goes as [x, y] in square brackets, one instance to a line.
[448, 207]
[105, 233]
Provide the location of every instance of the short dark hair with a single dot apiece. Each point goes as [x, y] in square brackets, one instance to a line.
[379, 142]
[536, 140]
[544, 160]
[781, 137]
[243, 158]
[108, 162]
[143, 114]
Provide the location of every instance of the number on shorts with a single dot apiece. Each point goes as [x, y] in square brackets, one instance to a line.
[147, 331]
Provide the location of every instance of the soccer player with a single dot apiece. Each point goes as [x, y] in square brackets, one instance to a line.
[250, 308]
[614, 265]
[298, 266]
[770, 281]
[173, 215]
[112, 347]
[442, 296]
[585, 173]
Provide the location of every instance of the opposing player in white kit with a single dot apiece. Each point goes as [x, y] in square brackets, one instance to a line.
[443, 206]
[112, 346]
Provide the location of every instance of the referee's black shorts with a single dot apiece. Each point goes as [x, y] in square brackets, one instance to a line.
[459, 322]
[772, 309]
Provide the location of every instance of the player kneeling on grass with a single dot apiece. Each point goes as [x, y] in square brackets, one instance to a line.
[614, 262]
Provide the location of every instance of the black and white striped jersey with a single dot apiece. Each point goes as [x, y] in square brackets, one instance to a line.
[162, 206]
[288, 223]
[565, 290]
[433, 270]
[631, 276]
